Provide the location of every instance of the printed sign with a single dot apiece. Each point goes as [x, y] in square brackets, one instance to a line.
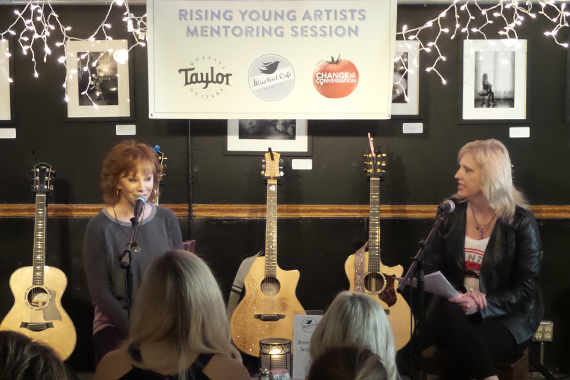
[223, 59]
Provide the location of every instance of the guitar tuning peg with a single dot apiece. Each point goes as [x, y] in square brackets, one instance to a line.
[262, 172]
[281, 168]
[263, 160]
[263, 166]
[280, 160]
[281, 174]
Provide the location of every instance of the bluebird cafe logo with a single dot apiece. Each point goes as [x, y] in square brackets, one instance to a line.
[207, 77]
[271, 77]
[309, 324]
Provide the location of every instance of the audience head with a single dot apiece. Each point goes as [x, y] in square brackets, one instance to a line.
[356, 318]
[23, 359]
[180, 302]
[351, 362]
[496, 176]
[124, 159]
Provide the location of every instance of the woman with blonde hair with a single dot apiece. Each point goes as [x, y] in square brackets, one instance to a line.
[356, 318]
[130, 170]
[489, 249]
[351, 362]
[179, 328]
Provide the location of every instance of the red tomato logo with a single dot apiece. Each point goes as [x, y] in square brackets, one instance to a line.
[335, 78]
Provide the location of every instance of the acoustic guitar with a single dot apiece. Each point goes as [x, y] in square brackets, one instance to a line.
[37, 311]
[269, 305]
[365, 270]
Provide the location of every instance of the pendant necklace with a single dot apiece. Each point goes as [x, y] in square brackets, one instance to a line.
[481, 227]
[137, 249]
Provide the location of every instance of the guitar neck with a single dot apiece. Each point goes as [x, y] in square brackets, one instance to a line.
[271, 229]
[374, 226]
[39, 239]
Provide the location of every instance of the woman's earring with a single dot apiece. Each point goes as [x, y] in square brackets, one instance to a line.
[118, 193]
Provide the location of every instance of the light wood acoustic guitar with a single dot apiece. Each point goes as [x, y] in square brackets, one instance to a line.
[269, 305]
[37, 311]
[365, 270]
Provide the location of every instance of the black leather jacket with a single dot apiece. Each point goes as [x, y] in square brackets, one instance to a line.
[509, 270]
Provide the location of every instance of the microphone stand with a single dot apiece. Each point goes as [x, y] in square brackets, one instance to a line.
[416, 272]
[126, 262]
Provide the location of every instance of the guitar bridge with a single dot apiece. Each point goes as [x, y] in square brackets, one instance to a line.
[269, 317]
[36, 326]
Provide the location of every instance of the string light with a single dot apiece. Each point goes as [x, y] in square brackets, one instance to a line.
[508, 13]
[35, 22]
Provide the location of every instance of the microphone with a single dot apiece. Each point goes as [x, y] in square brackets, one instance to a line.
[140, 201]
[447, 206]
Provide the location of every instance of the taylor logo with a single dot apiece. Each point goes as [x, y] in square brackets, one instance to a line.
[271, 77]
[207, 77]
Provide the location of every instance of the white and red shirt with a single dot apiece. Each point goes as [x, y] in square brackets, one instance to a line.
[474, 251]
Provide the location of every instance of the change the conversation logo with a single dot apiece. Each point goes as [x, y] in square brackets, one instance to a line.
[271, 77]
[207, 77]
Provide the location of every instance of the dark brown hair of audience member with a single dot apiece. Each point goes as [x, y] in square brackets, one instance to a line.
[347, 363]
[23, 359]
[124, 159]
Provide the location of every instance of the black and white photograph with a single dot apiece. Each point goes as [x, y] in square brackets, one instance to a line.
[98, 79]
[494, 79]
[266, 129]
[5, 101]
[405, 90]
[256, 135]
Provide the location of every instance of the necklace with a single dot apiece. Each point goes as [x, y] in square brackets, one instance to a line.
[137, 249]
[481, 227]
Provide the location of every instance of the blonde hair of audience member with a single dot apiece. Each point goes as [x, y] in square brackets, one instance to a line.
[356, 318]
[496, 176]
[178, 314]
[24, 359]
[348, 363]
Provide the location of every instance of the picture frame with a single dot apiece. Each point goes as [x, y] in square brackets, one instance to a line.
[6, 84]
[568, 85]
[495, 81]
[406, 82]
[289, 137]
[98, 80]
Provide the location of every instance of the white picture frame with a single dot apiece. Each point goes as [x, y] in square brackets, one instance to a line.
[251, 136]
[502, 64]
[5, 96]
[98, 79]
[406, 82]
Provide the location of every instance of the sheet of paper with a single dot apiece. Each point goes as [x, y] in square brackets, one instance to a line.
[436, 283]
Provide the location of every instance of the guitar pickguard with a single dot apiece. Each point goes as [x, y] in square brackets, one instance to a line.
[389, 294]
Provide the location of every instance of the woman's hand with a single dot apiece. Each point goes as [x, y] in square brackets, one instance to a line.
[479, 298]
[467, 303]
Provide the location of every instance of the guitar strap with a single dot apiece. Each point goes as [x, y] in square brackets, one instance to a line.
[237, 286]
[359, 272]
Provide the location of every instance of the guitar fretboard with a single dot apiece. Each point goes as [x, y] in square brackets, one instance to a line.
[39, 239]
[271, 229]
[374, 226]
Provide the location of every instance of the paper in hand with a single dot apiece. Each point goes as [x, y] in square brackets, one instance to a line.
[436, 283]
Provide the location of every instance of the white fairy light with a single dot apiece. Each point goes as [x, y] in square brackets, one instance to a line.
[510, 12]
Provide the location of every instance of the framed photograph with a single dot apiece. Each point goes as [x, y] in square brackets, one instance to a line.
[6, 93]
[495, 80]
[254, 136]
[98, 83]
[406, 89]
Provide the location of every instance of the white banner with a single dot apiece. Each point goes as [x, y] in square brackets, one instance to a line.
[221, 59]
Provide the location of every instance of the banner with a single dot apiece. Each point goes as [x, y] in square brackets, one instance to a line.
[221, 59]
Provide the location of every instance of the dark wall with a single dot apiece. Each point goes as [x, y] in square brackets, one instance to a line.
[421, 170]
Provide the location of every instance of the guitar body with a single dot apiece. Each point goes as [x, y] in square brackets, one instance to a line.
[278, 300]
[397, 309]
[39, 306]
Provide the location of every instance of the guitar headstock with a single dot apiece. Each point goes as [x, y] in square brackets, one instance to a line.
[375, 164]
[43, 177]
[271, 168]
[161, 158]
